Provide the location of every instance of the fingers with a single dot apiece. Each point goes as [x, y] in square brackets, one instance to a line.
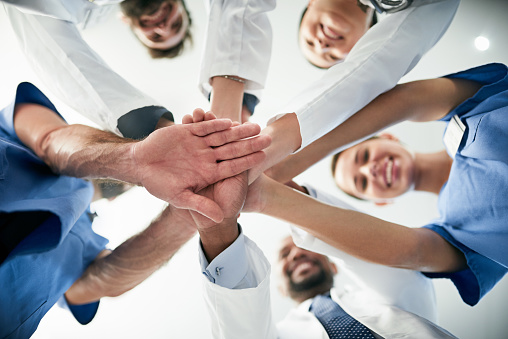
[230, 168]
[246, 130]
[202, 205]
[187, 119]
[205, 128]
[243, 147]
[198, 115]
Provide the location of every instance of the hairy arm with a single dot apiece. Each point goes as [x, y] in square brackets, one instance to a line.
[172, 163]
[358, 234]
[134, 260]
[419, 101]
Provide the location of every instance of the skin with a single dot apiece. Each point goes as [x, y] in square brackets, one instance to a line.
[162, 28]
[363, 236]
[418, 101]
[304, 274]
[194, 161]
[330, 29]
[376, 169]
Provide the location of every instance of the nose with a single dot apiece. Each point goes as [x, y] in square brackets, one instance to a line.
[161, 29]
[370, 169]
[296, 253]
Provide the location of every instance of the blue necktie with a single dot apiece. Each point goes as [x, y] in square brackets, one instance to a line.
[337, 323]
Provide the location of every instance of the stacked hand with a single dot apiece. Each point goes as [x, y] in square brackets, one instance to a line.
[205, 155]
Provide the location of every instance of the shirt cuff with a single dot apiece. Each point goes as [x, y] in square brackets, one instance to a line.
[140, 122]
[230, 267]
[82, 313]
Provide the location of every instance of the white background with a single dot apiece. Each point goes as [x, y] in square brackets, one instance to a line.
[169, 304]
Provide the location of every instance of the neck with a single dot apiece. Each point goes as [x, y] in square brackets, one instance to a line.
[432, 171]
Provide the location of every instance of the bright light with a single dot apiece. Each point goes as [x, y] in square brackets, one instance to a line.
[482, 43]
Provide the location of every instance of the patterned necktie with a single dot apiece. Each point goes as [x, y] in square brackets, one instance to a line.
[337, 323]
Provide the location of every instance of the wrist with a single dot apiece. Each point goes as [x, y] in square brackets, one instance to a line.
[214, 240]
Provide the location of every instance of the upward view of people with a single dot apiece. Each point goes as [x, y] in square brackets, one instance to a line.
[347, 274]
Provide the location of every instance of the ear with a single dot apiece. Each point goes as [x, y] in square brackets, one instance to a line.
[282, 290]
[389, 136]
[335, 270]
[125, 19]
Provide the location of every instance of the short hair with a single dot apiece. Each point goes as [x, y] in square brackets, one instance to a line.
[132, 8]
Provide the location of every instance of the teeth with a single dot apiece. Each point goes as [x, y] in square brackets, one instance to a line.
[389, 168]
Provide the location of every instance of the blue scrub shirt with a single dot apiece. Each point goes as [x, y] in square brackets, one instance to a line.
[473, 204]
[39, 270]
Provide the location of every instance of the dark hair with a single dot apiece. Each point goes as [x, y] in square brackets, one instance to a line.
[136, 8]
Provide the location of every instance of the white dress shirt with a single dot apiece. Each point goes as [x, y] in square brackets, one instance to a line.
[48, 34]
[238, 41]
[391, 302]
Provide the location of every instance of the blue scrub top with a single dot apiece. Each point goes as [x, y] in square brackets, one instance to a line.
[473, 204]
[39, 270]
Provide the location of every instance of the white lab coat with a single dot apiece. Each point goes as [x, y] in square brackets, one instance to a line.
[246, 313]
[388, 51]
[49, 37]
[238, 42]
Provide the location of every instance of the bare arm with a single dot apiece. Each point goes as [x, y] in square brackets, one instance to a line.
[358, 234]
[419, 101]
[172, 163]
[226, 99]
[134, 260]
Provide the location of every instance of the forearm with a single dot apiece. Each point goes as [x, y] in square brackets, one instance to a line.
[214, 240]
[361, 235]
[226, 98]
[286, 139]
[134, 260]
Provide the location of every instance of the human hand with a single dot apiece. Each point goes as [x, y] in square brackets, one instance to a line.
[229, 193]
[174, 163]
[255, 200]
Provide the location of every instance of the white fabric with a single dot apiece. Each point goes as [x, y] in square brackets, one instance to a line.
[388, 51]
[238, 42]
[380, 300]
[69, 68]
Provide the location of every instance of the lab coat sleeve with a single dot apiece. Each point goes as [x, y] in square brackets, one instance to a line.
[77, 75]
[406, 289]
[242, 313]
[238, 41]
[388, 51]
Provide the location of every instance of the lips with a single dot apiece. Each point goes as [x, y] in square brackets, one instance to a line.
[330, 33]
[389, 172]
[301, 267]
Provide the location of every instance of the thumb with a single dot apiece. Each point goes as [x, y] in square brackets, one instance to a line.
[207, 207]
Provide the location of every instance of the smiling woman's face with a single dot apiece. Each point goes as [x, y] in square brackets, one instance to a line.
[329, 30]
[375, 169]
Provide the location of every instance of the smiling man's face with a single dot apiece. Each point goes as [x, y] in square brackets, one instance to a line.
[304, 273]
[158, 24]
[329, 30]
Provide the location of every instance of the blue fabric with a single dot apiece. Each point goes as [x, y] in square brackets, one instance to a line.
[337, 323]
[473, 204]
[229, 267]
[46, 263]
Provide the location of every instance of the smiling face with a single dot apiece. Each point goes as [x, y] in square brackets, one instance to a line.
[376, 169]
[329, 30]
[159, 25]
[304, 273]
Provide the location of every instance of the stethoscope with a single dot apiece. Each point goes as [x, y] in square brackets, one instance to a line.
[390, 6]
